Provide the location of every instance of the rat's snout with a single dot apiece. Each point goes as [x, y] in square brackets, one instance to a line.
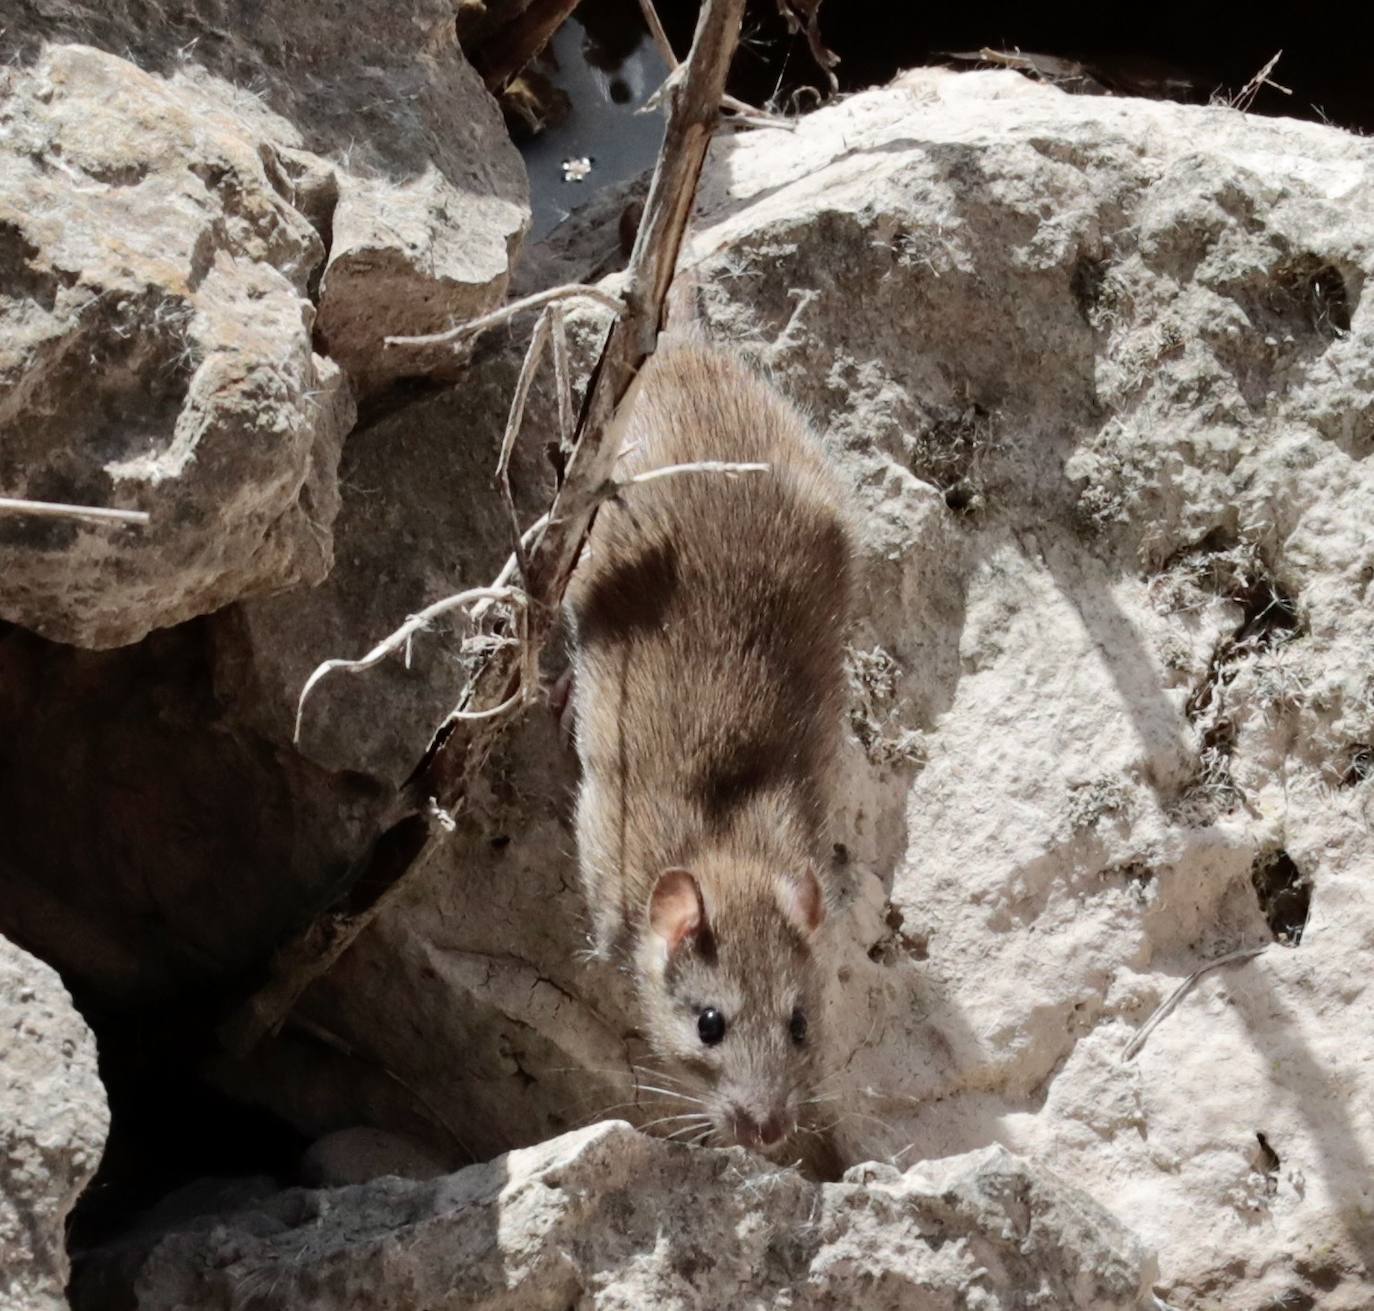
[760, 1132]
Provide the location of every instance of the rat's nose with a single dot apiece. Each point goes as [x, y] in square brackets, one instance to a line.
[771, 1130]
[753, 1132]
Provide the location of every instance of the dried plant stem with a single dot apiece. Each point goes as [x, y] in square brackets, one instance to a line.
[499, 593]
[1166, 1008]
[401, 638]
[55, 510]
[415, 825]
[572, 291]
[1245, 97]
[744, 112]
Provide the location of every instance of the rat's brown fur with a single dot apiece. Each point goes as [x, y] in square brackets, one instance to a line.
[710, 614]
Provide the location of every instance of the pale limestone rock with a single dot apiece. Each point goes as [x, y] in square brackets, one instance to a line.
[53, 1121]
[1101, 374]
[189, 210]
[155, 353]
[608, 1218]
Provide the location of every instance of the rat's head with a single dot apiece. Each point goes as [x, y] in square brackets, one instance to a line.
[730, 991]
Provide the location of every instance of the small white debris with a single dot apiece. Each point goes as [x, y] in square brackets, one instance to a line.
[576, 170]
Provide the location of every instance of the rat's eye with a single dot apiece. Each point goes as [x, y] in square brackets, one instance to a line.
[798, 1026]
[711, 1026]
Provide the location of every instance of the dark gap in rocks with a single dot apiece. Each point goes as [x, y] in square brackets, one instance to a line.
[1359, 766]
[388, 860]
[1293, 1300]
[1312, 292]
[1136, 875]
[156, 851]
[1085, 284]
[1269, 614]
[604, 59]
[168, 1126]
[951, 451]
[1285, 895]
[897, 944]
[961, 498]
[396, 396]
[1183, 53]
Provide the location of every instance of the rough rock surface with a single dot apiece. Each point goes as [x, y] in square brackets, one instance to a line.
[1101, 373]
[156, 355]
[52, 1128]
[609, 1218]
[191, 245]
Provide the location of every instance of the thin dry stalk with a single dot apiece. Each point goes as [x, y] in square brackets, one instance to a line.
[460, 333]
[1245, 97]
[499, 593]
[744, 113]
[56, 510]
[562, 378]
[805, 16]
[401, 639]
[1179, 993]
[414, 826]
[514, 419]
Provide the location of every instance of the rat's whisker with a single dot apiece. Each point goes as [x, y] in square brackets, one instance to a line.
[695, 1116]
[673, 1092]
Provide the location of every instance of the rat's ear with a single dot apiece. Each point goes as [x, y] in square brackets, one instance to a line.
[803, 901]
[676, 911]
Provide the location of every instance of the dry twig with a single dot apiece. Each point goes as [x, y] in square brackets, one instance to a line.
[805, 16]
[1245, 97]
[1167, 1006]
[744, 113]
[415, 824]
[460, 333]
[55, 510]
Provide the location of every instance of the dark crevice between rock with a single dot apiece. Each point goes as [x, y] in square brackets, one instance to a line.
[1085, 285]
[896, 944]
[1312, 292]
[1359, 765]
[1187, 54]
[952, 452]
[156, 850]
[1285, 895]
[1269, 618]
[168, 1126]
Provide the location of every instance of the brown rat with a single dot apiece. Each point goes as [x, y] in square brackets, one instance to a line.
[709, 617]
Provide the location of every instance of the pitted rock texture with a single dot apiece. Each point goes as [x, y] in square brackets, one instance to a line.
[378, 128]
[52, 1128]
[608, 1218]
[205, 238]
[156, 355]
[1100, 372]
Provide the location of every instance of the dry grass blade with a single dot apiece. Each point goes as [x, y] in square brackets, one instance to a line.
[462, 331]
[743, 112]
[55, 510]
[1167, 1006]
[805, 16]
[401, 638]
[414, 826]
[1245, 97]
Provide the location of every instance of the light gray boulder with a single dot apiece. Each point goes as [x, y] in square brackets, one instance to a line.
[53, 1121]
